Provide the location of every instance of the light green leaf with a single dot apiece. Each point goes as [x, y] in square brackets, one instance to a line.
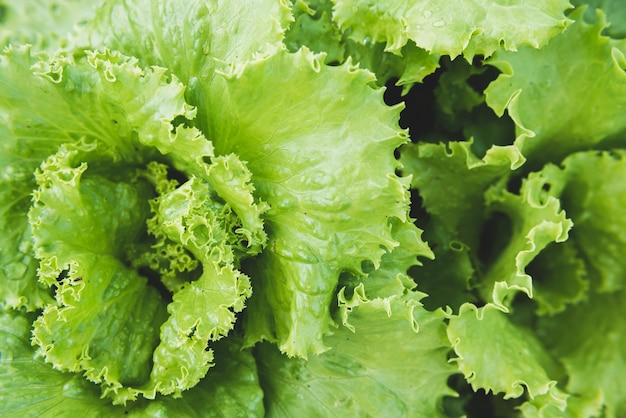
[391, 278]
[47, 101]
[530, 221]
[477, 27]
[203, 310]
[82, 253]
[31, 388]
[594, 200]
[364, 374]
[588, 338]
[546, 96]
[452, 180]
[498, 356]
[123, 117]
[190, 38]
[330, 211]
[315, 29]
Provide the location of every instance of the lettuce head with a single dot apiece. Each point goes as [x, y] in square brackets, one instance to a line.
[312, 207]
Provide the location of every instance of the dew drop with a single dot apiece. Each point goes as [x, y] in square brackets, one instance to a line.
[439, 24]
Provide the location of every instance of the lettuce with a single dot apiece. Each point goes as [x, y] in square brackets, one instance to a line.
[322, 207]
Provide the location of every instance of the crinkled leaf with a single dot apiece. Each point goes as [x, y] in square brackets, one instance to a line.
[411, 65]
[391, 277]
[47, 101]
[30, 387]
[614, 11]
[530, 221]
[550, 405]
[588, 338]
[191, 38]
[594, 200]
[476, 27]
[496, 355]
[364, 374]
[124, 117]
[559, 277]
[81, 250]
[547, 97]
[451, 180]
[315, 28]
[329, 180]
[203, 310]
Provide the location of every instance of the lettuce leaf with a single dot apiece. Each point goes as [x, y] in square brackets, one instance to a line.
[86, 255]
[30, 387]
[329, 212]
[315, 28]
[450, 28]
[593, 200]
[364, 374]
[192, 39]
[531, 220]
[546, 99]
[481, 335]
[588, 339]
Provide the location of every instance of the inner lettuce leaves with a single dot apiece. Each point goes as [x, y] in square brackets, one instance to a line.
[86, 256]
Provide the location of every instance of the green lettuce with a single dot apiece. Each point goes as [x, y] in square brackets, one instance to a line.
[312, 207]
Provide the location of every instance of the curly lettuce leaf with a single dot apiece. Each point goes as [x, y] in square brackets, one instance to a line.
[203, 310]
[452, 180]
[547, 98]
[478, 27]
[314, 27]
[391, 278]
[364, 374]
[330, 210]
[82, 252]
[30, 387]
[594, 200]
[124, 117]
[498, 356]
[190, 38]
[614, 11]
[526, 223]
[48, 101]
[588, 339]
